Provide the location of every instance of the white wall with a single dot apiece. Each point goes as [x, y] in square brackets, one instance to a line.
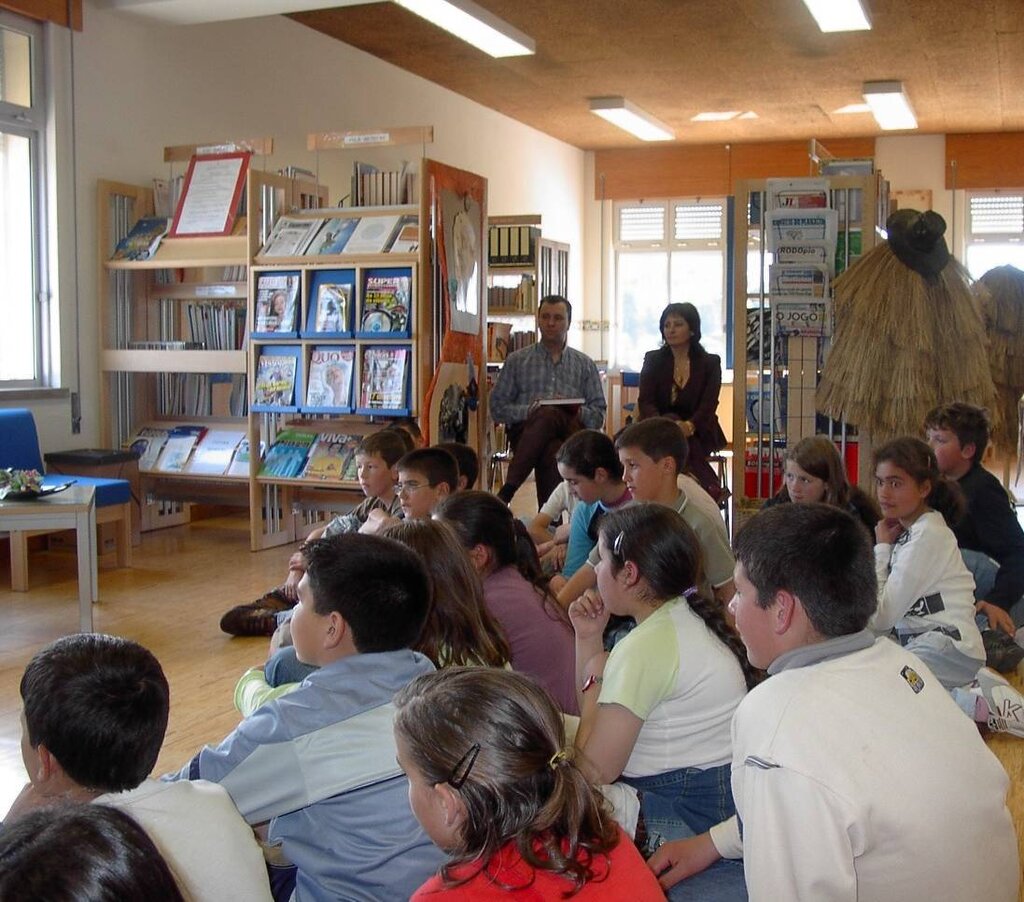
[140, 86]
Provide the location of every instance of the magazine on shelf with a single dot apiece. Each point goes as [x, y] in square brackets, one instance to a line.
[383, 378]
[275, 378]
[148, 443]
[291, 236]
[799, 194]
[333, 236]
[287, 455]
[372, 235]
[214, 453]
[331, 311]
[277, 298]
[178, 448]
[329, 457]
[330, 377]
[240, 462]
[143, 240]
[791, 279]
[407, 236]
[385, 304]
[793, 226]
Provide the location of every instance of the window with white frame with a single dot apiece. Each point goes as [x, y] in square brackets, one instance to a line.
[995, 230]
[667, 251]
[22, 225]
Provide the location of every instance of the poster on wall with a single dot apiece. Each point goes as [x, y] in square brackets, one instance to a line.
[462, 222]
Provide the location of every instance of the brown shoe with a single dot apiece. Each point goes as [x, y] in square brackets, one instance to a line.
[257, 618]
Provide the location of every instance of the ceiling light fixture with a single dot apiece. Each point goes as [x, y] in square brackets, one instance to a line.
[839, 15]
[629, 117]
[474, 25]
[889, 105]
[722, 116]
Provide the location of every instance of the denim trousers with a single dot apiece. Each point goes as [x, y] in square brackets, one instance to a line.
[683, 803]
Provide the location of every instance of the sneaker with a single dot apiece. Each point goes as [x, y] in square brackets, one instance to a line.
[257, 618]
[1005, 704]
[1002, 653]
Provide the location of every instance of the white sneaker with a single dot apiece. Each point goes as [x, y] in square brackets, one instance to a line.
[1005, 704]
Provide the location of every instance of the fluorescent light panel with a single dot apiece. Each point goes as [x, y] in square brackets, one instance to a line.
[889, 105]
[474, 25]
[839, 15]
[629, 117]
[722, 116]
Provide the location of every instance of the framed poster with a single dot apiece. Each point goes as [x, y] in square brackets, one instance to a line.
[210, 195]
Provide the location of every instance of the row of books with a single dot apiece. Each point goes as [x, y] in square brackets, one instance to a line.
[329, 378]
[293, 236]
[502, 341]
[385, 307]
[219, 327]
[201, 394]
[192, 449]
[522, 297]
[512, 244]
[296, 454]
[372, 187]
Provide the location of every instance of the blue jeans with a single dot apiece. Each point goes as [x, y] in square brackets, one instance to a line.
[984, 571]
[285, 667]
[684, 803]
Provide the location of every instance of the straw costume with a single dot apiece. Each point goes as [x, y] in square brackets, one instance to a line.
[909, 334]
[1001, 295]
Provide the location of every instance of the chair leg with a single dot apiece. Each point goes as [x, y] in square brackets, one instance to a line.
[19, 560]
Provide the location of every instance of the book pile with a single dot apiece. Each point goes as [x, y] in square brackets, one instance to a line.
[521, 298]
[372, 187]
[520, 340]
[217, 327]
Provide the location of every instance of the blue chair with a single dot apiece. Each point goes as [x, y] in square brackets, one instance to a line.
[19, 450]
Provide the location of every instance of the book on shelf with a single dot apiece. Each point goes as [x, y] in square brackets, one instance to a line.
[287, 455]
[385, 304]
[333, 236]
[148, 442]
[372, 235]
[291, 236]
[178, 448]
[213, 455]
[277, 296]
[330, 455]
[406, 238]
[275, 378]
[240, 462]
[143, 240]
[216, 326]
[330, 377]
[372, 187]
[383, 378]
[330, 313]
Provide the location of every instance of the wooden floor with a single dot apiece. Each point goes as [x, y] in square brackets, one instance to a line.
[182, 580]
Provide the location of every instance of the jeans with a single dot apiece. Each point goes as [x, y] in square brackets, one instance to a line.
[722, 882]
[285, 667]
[984, 571]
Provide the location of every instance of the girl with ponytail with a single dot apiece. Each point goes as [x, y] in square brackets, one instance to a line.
[515, 590]
[492, 786]
[657, 710]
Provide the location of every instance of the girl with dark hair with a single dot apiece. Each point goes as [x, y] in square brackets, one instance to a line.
[516, 591]
[814, 473]
[681, 380]
[590, 465]
[925, 592]
[82, 853]
[459, 629]
[657, 710]
[491, 785]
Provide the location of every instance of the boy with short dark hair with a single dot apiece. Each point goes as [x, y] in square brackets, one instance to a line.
[376, 458]
[958, 434]
[468, 462]
[320, 761]
[95, 714]
[425, 476]
[653, 452]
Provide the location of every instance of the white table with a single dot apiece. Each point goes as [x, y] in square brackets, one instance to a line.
[74, 508]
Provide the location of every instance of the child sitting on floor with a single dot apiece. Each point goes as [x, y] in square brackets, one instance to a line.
[459, 629]
[467, 461]
[491, 784]
[377, 456]
[319, 763]
[925, 592]
[95, 713]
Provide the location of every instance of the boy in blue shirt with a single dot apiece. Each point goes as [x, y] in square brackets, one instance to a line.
[319, 763]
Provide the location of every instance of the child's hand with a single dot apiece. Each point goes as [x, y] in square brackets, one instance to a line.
[888, 531]
[589, 615]
[562, 534]
[282, 637]
[290, 587]
[998, 619]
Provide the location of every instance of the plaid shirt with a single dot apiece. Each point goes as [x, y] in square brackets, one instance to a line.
[530, 374]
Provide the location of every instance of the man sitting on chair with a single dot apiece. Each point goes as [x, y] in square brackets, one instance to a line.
[529, 381]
